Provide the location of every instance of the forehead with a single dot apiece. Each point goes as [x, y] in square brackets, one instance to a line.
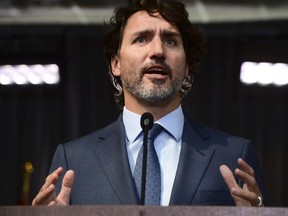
[141, 20]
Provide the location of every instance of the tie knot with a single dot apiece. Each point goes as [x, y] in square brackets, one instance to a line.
[155, 131]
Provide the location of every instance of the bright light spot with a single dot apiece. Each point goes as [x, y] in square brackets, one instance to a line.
[29, 74]
[249, 73]
[52, 75]
[264, 73]
[281, 76]
[5, 71]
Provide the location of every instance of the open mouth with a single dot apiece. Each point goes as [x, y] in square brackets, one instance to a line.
[156, 70]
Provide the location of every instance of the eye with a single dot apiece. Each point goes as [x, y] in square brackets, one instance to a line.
[140, 40]
[171, 41]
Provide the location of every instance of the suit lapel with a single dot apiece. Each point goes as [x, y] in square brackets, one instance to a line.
[194, 159]
[112, 155]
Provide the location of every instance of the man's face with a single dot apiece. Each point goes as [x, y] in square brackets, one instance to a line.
[151, 61]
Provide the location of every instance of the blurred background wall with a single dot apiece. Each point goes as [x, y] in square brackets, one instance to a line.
[34, 119]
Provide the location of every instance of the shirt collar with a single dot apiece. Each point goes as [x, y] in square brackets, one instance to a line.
[132, 125]
[133, 128]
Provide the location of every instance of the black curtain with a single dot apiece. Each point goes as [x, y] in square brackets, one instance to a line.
[35, 119]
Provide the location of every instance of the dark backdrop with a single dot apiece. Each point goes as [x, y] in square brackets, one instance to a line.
[35, 119]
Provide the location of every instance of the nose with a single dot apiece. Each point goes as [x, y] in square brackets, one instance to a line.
[157, 49]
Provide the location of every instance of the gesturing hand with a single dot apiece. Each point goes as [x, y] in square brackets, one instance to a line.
[249, 194]
[47, 194]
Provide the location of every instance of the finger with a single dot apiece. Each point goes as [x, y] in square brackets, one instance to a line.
[251, 190]
[52, 178]
[47, 192]
[251, 197]
[228, 177]
[67, 183]
[44, 196]
[52, 203]
[249, 181]
[232, 185]
[243, 165]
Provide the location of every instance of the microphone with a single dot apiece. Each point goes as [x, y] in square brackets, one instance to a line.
[147, 122]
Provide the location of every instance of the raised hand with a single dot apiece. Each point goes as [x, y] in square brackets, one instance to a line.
[47, 195]
[249, 194]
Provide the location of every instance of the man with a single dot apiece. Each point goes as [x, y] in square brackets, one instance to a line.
[154, 51]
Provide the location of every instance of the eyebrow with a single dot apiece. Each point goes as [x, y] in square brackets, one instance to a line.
[165, 33]
[171, 33]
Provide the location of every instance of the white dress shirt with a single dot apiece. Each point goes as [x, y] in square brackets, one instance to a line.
[167, 145]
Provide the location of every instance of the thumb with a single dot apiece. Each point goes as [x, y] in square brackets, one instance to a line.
[233, 186]
[67, 183]
[228, 177]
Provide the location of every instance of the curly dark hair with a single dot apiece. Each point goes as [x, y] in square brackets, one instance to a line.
[174, 12]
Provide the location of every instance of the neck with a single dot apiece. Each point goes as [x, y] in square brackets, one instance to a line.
[157, 109]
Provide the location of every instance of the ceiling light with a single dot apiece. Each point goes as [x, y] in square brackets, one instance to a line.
[264, 73]
[23, 74]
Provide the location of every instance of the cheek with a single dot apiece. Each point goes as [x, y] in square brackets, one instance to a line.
[184, 66]
[132, 64]
[179, 65]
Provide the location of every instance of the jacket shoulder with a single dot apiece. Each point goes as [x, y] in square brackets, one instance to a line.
[214, 136]
[94, 137]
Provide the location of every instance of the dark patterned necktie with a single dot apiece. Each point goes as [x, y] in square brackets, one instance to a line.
[153, 175]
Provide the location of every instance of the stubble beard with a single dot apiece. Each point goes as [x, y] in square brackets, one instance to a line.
[158, 91]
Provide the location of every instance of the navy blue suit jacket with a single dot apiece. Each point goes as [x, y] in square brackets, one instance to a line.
[103, 176]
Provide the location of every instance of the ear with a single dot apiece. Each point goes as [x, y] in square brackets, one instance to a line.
[115, 65]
